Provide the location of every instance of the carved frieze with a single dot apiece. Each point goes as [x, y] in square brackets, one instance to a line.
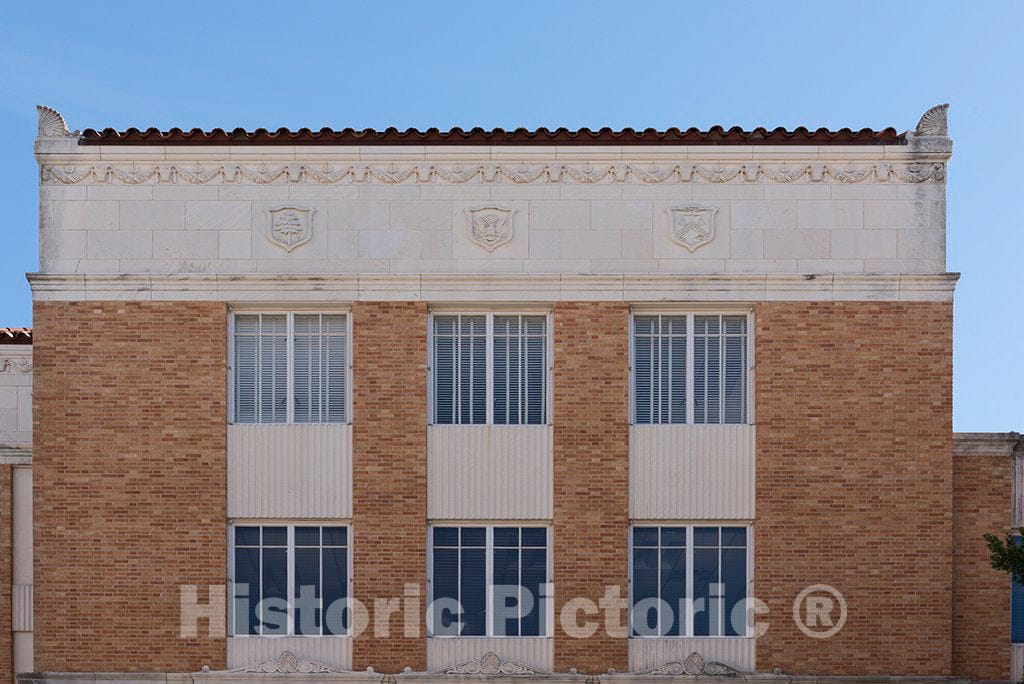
[15, 365]
[200, 173]
[694, 665]
[490, 664]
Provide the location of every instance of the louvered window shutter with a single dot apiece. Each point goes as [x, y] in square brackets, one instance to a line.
[460, 370]
[734, 368]
[520, 378]
[246, 363]
[659, 369]
[720, 369]
[261, 368]
[319, 367]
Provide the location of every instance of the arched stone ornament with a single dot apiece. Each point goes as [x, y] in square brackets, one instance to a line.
[692, 226]
[289, 227]
[491, 227]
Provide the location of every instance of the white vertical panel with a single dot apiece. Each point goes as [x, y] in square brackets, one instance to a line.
[1016, 662]
[537, 653]
[691, 472]
[736, 652]
[21, 608]
[335, 652]
[290, 471]
[489, 472]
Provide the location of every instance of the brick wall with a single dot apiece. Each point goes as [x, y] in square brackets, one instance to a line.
[6, 571]
[389, 472]
[982, 485]
[129, 481]
[854, 482]
[591, 472]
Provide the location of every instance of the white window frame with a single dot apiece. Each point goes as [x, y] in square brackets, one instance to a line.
[688, 618]
[690, 327]
[490, 313]
[549, 616]
[290, 393]
[290, 560]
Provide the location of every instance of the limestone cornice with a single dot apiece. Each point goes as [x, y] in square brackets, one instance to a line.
[493, 288]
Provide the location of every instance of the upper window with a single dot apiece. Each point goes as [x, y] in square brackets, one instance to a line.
[689, 580]
[489, 369]
[290, 580]
[290, 368]
[690, 368]
[489, 581]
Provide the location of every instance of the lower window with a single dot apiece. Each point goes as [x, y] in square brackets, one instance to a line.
[290, 580]
[689, 580]
[489, 581]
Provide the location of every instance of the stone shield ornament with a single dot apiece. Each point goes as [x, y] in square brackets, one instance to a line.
[692, 227]
[289, 227]
[490, 227]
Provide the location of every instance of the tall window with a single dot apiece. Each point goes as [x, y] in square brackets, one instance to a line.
[489, 369]
[689, 580]
[489, 581]
[290, 580]
[290, 367]
[690, 368]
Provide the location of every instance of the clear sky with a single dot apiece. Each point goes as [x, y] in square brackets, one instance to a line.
[377, 64]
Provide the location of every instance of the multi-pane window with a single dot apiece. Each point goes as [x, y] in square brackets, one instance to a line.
[489, 369]
[489, 581]
[290, 580]
[290, 368]
[690, 368]
[689, 580]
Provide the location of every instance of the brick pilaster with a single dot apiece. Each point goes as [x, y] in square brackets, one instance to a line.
[389, 473]
[591, 473]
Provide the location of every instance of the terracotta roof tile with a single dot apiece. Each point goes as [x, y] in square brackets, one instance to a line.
[716, 135]
[15, 335]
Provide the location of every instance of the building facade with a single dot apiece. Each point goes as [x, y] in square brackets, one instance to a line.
[363, 405]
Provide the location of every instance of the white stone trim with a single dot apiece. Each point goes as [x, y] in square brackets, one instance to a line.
[440, 288]
[604, 171]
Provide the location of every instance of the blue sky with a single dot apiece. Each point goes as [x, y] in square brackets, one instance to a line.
[556, 63]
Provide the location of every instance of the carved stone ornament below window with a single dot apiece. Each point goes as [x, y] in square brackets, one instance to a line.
[289, 227]
[692, 227]
[491, 227]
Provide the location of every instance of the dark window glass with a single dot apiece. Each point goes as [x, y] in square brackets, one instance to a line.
[247, 589]
[446, 536]
[705, 574]
[474, 536]
[472, 587]
[506, 536]
[535, 536]
[645, 536]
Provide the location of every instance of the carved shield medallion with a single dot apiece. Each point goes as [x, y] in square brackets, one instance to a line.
[289, 227]
[490, 227]
[692, 227]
